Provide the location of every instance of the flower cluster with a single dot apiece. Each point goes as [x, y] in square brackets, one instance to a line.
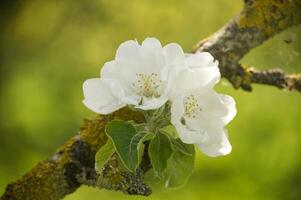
[147, 76]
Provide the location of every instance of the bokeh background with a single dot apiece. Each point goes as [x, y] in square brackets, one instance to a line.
[49, 47]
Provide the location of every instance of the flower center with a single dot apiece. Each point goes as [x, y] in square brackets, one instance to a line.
[191, 106]
[147, 84]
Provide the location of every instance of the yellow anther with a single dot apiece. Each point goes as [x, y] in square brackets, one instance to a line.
[191, 106]
[147, 84]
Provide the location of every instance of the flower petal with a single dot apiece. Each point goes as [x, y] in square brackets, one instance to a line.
[187, 135]
[151, 44]
[152, 103]
[99, 98]
[210, 112]
[217, 144]
[120, 75]
[211, 103]
[128, 50]
[190, 136]
[152, 59]
[173, 52]
[120, 71]
[229, 102]
[197, 75]
[120, 92]
[203, 63]
[174, 59]
[201, 59]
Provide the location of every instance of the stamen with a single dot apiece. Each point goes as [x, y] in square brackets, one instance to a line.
[191, 106]
[147, 84]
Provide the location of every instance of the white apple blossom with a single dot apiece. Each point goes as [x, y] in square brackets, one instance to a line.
[140, 75]
[198, 112]
[148, 75]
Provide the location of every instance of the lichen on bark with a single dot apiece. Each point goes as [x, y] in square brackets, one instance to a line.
[258, 21]
[62, 174]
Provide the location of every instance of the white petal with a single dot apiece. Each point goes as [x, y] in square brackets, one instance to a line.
[173, 52]
[120, 92]
[99, 98]
[200, 59]
[191, 136]
[217, 145]
[151, 44]
[152, 103]
[120, 71]
[211, 103]
[120, 75]
[152, 59]
[175, 61]
[196, 76]
[128, 50]
[203, 63]
[210, 112]
[187, 135]
[229, 102]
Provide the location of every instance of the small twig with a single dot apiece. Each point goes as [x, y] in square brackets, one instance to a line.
[276, 77]
[243, 77]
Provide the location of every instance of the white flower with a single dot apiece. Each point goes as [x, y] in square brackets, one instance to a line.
[198, 112]
[99, 98]
[140, 75]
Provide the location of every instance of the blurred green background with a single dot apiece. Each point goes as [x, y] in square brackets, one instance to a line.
[48, 48]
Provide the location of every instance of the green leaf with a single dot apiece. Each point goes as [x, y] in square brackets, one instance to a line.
[124, 138]
[127, 142]
[159, 152]
[180, 166]
[146, 137]
[169, 130]
[184, 148]
[103, 155]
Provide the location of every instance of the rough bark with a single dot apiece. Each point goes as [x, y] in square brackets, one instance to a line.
[273, 77]
[73, 164]
[257, 22]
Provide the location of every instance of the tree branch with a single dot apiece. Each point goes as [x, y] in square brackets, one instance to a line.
[273, 77]
[73, 164]
[277, 78]
[257, 22]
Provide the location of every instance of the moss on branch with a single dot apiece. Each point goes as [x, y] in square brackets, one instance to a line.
[73, 164]
[275, 77]
[257, 22]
